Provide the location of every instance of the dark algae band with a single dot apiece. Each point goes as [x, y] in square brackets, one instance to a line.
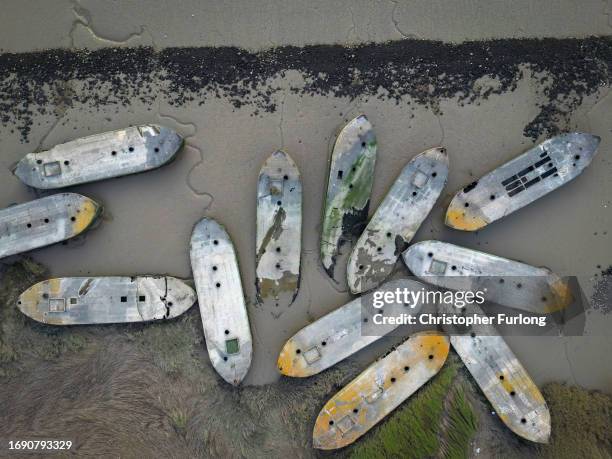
[426, 71]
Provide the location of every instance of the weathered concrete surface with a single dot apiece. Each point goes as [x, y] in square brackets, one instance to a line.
[99, 157]
[381, 388]
[106, 300]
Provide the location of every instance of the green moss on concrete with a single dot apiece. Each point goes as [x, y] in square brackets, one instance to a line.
[361, 177]
[437, 420]
[581, 423]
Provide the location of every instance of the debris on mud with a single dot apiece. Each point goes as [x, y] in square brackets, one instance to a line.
[602, 294]
[426, 71]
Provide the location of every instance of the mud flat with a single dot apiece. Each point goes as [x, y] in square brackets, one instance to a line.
[485, 101]
[236, 95]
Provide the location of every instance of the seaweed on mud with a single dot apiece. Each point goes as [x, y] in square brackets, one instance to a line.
[425, 71]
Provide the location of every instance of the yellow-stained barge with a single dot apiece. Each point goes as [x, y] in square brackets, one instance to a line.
[343, 332]
[45, 221]
[103, 300]
[380, 389]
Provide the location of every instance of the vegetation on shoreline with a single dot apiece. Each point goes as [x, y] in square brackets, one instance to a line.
[115, 376]
[581, 422]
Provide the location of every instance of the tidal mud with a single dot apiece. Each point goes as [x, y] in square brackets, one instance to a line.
[427, 71]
